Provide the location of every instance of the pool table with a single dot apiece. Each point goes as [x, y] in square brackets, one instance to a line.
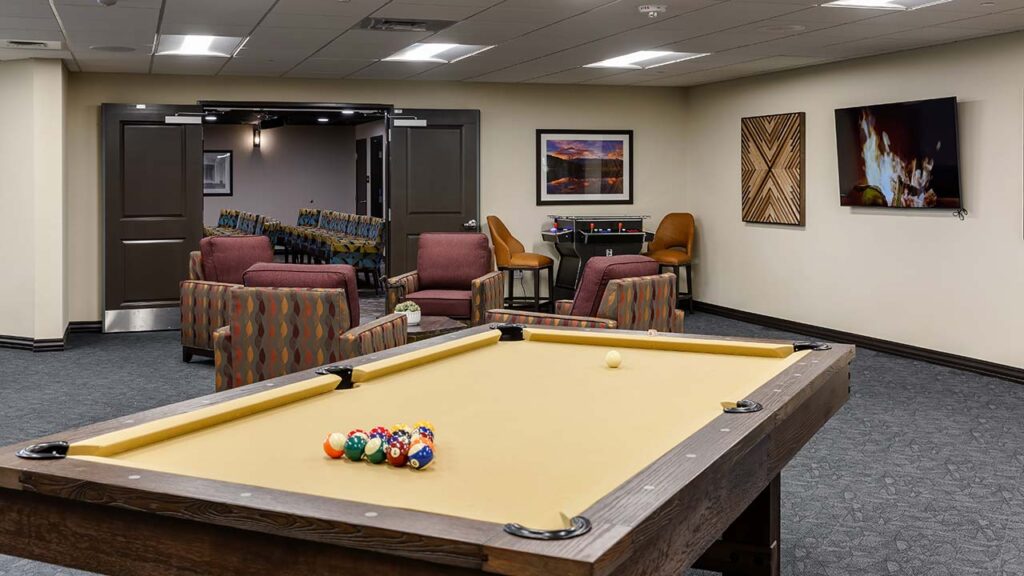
[548, 461]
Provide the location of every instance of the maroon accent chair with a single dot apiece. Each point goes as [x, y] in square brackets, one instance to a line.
[624, 292]
[278, 275]
[454, 277]
[214, 270]
[226, 258]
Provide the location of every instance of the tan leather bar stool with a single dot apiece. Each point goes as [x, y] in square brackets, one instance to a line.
[510, 256]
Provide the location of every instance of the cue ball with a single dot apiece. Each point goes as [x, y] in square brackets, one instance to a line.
[613, 359]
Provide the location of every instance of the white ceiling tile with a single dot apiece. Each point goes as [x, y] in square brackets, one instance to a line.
[978, 6]
[392, 70]
[22, 34]
[1002, 22]
[724, 16]
[576, 76]
[824, 15]
[426, 11]
[137, 65]
[369, 44]
[358, 8]
[199, 65]
[256, 67]
[474, 31]
[327, 68]
[17, 23]
[25, 9]
[268, 38]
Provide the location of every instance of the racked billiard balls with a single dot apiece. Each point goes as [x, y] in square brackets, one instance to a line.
[375, 450]
[354, 447]
[420, 456]
[403, 434]
[398, 452]
[334, 445]
[424, 431]
[380, 432]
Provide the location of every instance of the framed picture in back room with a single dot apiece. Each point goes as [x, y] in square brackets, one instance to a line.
[773, 169]
[584, 167]
[218, 173]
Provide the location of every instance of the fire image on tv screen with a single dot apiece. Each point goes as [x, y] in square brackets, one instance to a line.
[901, 155]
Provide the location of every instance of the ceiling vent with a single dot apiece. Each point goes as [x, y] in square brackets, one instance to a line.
[31, 44]
[403, 25]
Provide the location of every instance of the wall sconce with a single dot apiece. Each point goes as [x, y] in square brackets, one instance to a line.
[256, 137]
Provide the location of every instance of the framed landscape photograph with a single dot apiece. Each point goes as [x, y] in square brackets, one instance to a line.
[217, 173]
[584, 167]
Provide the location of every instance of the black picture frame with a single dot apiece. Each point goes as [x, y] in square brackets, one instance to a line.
[547, 198]
[212, 187]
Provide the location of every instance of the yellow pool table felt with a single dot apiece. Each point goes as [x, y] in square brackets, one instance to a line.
[531, 432]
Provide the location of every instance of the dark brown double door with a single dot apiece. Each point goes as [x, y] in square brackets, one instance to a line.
[435, 179]
[153, 211]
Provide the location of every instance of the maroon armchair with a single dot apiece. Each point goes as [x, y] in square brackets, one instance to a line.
[213, 271]
[623, 292]
[454, 277]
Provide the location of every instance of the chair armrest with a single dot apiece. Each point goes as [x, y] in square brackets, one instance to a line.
[543, 319]
[382, 334]
[205, 307]
[563, 306]
[195, 265]
[398, 287]
[223, 376]
[488, 293]
[677, 321]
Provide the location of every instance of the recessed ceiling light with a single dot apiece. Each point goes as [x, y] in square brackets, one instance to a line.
[197, 45]
[783, 28]
[437, 52]
[112, 48]
[346, 112]
[210, 118]
[645, 59]
[885, 4]
[322, 119]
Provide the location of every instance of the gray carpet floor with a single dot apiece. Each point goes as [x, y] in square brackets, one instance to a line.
[919, 474]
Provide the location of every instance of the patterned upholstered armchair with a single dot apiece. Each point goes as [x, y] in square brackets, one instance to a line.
[624, 292]
[276, 331]
[454, 277]
[213, 272]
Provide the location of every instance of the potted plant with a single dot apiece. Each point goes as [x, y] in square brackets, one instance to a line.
[411, 311]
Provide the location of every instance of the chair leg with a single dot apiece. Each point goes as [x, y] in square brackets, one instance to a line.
[186, 354]
[510, 298]
[689, 288]
[536, 289]
[551, 287]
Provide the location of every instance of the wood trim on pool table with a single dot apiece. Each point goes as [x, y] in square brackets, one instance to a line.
[119, 520]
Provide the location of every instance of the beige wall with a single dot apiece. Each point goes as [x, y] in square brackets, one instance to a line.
[294, 167]
[922, 278]
[32, 194]
[509, 116]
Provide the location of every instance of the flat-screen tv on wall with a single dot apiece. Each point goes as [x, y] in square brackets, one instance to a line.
[902, 155]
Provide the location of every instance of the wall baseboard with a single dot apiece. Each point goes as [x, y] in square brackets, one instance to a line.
[78, 326]
[40, 345]
[50, 344]
[984, 367]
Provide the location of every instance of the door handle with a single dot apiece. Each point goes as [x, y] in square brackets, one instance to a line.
[471, 225]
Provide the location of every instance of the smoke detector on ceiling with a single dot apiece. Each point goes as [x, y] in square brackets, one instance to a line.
[31, 44]
[652, 10]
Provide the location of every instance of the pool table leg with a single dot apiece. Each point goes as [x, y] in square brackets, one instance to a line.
[750, 546]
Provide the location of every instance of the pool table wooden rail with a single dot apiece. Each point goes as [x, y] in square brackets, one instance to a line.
[712, 501]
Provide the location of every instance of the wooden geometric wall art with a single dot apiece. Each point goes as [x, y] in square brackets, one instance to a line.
[773, 168]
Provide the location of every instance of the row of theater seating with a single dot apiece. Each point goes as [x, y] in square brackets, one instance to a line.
[320, 236]
[242, 223]
[331, 237]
